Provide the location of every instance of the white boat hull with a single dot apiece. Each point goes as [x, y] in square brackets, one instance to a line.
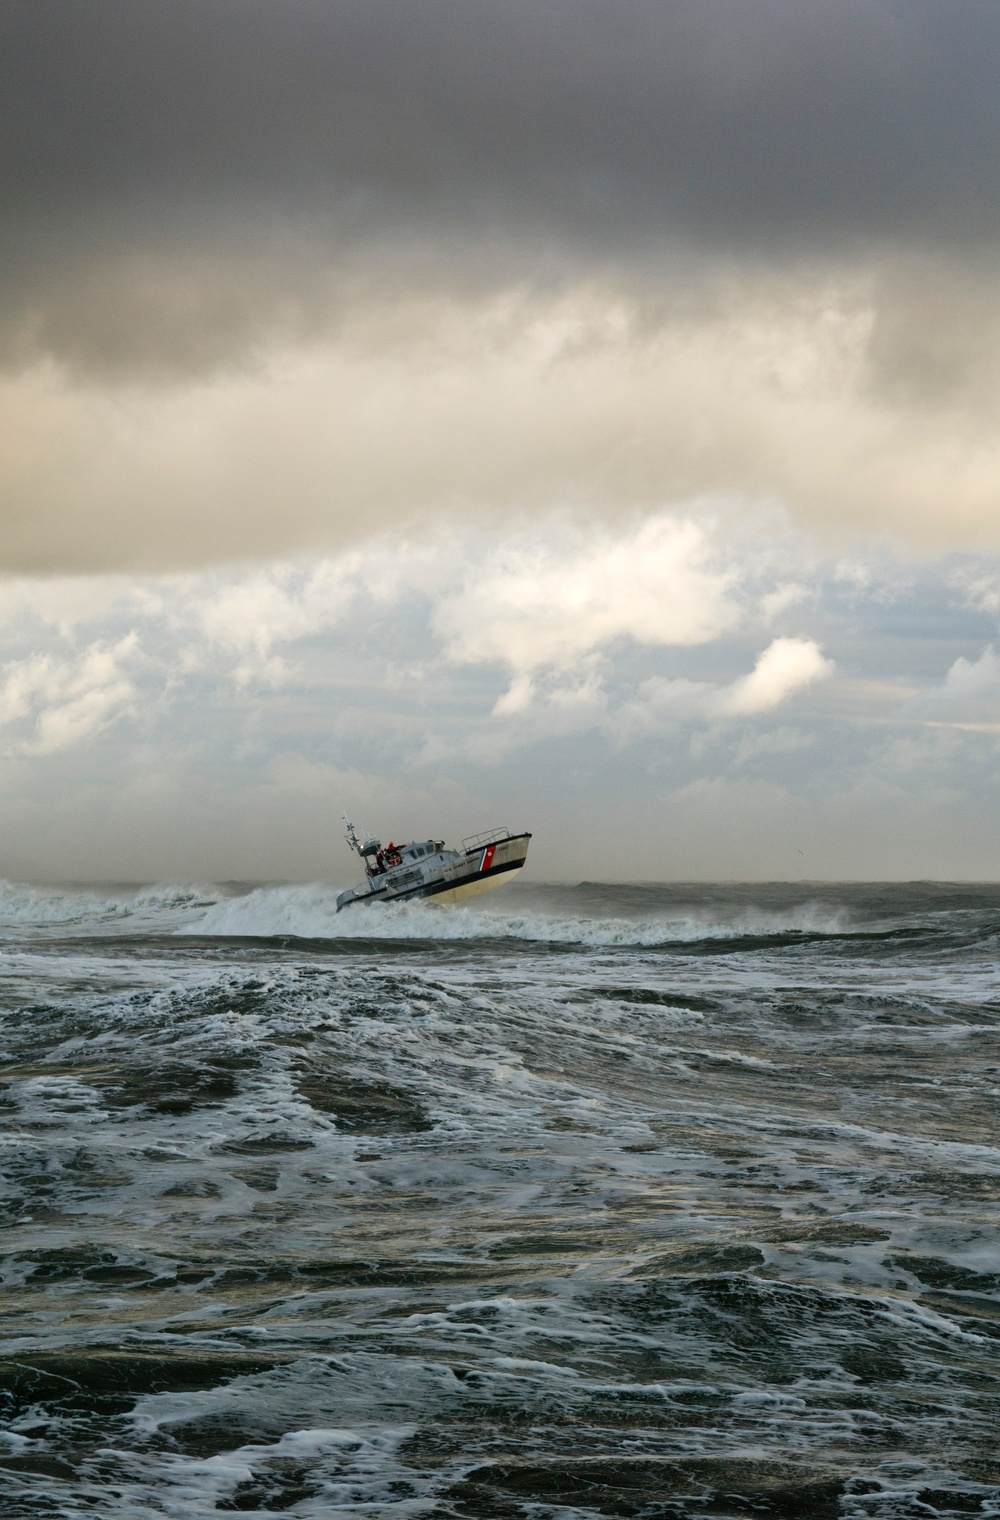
[476, 888]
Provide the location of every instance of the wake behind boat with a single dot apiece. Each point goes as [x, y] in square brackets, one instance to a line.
[403, 872]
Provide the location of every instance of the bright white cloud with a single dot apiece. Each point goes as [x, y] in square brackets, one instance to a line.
[553, 602]
[394, 655]
[247, 615]
[56, 703]
[551, 607]
[786, 666]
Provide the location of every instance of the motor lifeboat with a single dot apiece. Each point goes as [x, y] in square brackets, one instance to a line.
[429, 869]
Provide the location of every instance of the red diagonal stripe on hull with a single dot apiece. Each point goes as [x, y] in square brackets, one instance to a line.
[487, 859]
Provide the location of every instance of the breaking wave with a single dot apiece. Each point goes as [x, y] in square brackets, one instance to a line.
[68, 908]
[589, 915]
[310, 912]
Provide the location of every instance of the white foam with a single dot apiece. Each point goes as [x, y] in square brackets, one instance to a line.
[84, 908]
[310, 912]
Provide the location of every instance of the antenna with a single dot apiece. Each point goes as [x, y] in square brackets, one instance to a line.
[370, 847]
[351, 836]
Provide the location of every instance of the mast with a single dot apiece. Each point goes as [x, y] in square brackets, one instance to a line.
[369, 850]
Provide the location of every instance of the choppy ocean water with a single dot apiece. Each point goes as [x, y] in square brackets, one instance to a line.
[653, 1201]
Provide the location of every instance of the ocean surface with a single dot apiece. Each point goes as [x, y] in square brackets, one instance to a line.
[593, 1201]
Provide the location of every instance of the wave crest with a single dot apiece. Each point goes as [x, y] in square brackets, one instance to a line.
[310, 912]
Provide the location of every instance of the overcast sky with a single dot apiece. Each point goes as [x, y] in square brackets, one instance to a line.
[579, 414]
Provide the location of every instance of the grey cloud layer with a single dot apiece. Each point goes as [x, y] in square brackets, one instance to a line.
[733, 118]
[179, 179]
[186, 184]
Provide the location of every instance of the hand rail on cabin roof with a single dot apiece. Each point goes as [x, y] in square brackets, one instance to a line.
[489, 836]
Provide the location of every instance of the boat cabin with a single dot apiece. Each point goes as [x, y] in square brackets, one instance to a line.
[398, 854]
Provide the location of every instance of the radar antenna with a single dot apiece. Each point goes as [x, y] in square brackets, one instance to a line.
[369, 849]
[351, 836]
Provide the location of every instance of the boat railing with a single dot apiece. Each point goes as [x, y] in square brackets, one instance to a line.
[489, 836]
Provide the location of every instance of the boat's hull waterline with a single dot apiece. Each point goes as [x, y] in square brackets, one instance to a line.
[428, 870]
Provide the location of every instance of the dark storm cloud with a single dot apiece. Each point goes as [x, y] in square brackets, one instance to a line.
[604, 119]
[277, 273]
